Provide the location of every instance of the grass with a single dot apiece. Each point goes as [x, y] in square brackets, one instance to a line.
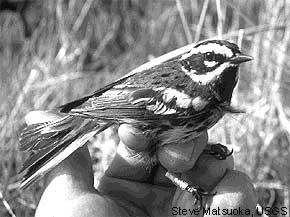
[77, 47]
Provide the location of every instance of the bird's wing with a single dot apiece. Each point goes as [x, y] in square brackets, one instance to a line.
[76, 103]
[116, 95]
[140, 104]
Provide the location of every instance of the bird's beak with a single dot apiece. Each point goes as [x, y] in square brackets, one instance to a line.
[240, 58]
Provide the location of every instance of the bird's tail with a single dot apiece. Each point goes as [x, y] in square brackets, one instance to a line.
[51, 142]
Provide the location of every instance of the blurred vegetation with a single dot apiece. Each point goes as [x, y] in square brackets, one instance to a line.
[75, 47]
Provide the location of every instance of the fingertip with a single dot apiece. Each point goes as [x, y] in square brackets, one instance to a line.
[133, 137]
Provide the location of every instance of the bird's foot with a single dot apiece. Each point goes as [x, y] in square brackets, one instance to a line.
[197, 192]
[219, 151]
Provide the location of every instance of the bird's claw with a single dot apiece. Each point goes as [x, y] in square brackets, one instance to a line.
[219, 151]
[198, 193]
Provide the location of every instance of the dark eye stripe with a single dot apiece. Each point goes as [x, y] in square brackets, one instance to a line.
[210, 56]
[220, 58]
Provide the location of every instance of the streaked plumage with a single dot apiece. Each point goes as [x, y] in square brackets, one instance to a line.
[172, 101]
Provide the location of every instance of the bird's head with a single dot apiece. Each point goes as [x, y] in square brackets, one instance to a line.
[214, 63]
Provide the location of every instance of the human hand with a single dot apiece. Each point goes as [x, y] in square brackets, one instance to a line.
[128, 180]
[129, 189]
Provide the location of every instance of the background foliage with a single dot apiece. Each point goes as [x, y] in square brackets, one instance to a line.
[55, 51]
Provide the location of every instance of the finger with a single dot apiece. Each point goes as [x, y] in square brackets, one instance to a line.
[133, 138]
[126, 165]
[69, 188]
[182, 156]
[129, 162]
[178, 158]
[234, 192]
[73, 174]
[208, 171]
[159, 177]
[36, 117]
[154, 200]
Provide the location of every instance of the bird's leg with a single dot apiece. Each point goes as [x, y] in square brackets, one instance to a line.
[197, 192]
[219, 151]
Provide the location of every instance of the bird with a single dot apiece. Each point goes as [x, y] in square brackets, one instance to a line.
[172, 102]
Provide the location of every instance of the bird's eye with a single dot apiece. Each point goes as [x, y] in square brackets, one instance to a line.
[209, 56]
